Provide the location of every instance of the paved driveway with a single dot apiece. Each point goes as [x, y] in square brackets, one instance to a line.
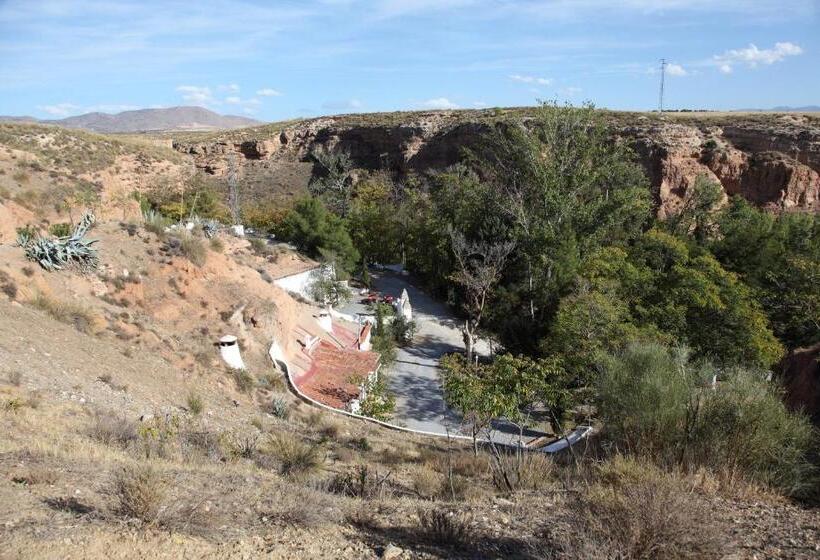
[414, 378]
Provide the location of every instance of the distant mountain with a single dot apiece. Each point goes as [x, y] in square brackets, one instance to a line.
[806, 109]
[148, 120]
[784, 109]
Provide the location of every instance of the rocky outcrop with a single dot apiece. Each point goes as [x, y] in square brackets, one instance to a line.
[800, 374]
[771, 160]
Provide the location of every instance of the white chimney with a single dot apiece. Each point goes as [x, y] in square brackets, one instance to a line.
[325, 321]
[229, 350]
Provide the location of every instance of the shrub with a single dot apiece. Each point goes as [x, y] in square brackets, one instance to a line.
[655, 403]
[217, 245]
[359, 482]
[444, 527]
[279, 408]
[155, 222]
[244, 380]
[297, 458]
[60, 230]
[139, 492]
[188, 246]
[646, 516]
[519, 470]
[35, 475]
[195, 404]
[66, 312]
[113, 430]
[427, 483]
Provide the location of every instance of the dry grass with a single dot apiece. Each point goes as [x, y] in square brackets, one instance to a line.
[139, 491]
[517, 471]
[634, 511]
[35, 475]
[112, 430]
[446, 527]
[80, 317]
[297, 458]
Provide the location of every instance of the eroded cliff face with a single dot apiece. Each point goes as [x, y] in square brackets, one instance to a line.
[772, 160]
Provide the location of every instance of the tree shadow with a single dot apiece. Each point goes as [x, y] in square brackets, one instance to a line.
[478, 546]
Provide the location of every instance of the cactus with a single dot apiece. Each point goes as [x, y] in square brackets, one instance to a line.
[55, 253]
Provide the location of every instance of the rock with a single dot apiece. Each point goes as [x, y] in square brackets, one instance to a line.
[391, 551]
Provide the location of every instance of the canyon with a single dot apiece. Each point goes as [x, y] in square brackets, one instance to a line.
[772, 160]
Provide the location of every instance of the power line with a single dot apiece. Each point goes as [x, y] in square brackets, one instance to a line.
[663, 74]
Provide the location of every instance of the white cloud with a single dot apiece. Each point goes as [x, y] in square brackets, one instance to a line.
[752, 56]
[233, 88]
[233, 100]
[61, 109]
[438, 103]
[268, 92]
[676, 70]
[198, 95]
[530, 79]
[571, 91]
[480, 104]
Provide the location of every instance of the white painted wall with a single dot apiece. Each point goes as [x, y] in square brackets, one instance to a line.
[297, 283]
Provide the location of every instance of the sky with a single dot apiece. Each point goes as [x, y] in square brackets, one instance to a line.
[275, 60]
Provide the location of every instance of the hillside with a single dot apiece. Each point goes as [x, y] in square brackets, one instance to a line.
[147, 120]
[126, 436]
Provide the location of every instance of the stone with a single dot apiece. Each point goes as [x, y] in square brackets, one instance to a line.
[391, 552]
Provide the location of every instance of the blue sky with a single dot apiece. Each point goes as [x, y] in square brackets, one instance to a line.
[282, 59]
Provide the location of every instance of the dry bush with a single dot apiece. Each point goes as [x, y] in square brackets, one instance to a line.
[35, 475]
[329, 429]
[445, 527]
[635, 511]
[66, 312]
[278, 407]
[113, 430]
[188, 246]
[301, 507]
[520, 470]
[217, 245]
[297, 458]
[426, 482]
[202, 443]
[273, 382]
[360, 482]
[139, 492]
[245, 382]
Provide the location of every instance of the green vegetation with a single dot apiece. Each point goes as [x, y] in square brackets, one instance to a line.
[320, 234]
[658, 403]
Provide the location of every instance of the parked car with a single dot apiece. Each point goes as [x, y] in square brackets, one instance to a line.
[388, 299]
[372, 297]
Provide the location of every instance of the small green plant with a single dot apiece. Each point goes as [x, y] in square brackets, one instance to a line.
[13, 405]
[279, 408]
[60, 230]
[155, 222]
[195, 404]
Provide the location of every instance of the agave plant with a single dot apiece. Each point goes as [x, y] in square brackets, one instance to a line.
[56, 253]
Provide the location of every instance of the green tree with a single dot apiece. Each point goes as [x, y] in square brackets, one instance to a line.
[565, 189]
[697, 215]
[372, 222]
[320, 233]
[779, 257]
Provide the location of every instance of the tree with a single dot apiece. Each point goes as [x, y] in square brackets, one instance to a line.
[372, 222]
[696, 216]
[320, 233]
[325, 288]
[565, 188]
[480, 266]
[508, 388]
[779, 257]
[333, 184]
